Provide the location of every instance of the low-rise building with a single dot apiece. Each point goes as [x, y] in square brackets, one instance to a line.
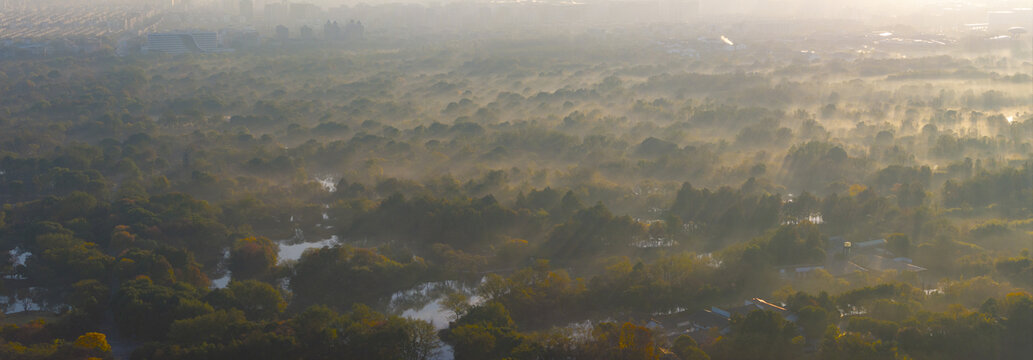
[706, 324]
[183, 42]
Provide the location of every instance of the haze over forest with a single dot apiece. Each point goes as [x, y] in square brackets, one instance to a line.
[595, 179]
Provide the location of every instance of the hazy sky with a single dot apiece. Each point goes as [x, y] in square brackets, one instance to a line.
[750, 8]
[756, 7]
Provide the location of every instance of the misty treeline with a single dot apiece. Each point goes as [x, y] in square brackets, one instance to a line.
[579, 189]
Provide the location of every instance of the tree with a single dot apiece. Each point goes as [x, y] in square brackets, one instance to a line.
[90, 296]
[331, 275]
[146, 310]
[814, 320]
[66, 259]
[491, 314]
[687, 349]
[367, 334]
[472, 342]
[1018, 326]
[253, 258]
[456, 302]
[485, 332]
[882, 330]
[636, 343]
[421, 339]
[592, 230]
[493, 287]
[851, 346]
[258, 300]
[121, 239]
[136, 262]
[93, 344]
[899, 244]
[760, 334]
[796, 244]
[316, 331]
[217, 327]
[624, 341]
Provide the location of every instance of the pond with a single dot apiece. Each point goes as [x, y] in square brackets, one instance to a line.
[292, 252]
[287, 252]
[223, 281]
[17, 305]
[327, 183]
[30, 299]
[19, 256]
[424, 302]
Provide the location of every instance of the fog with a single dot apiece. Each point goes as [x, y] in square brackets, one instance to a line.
[396, 19]
[591, 179]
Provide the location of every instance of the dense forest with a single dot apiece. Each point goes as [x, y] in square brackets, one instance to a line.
[578, 196]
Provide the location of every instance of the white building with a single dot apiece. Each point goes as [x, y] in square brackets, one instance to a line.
[1005, 19]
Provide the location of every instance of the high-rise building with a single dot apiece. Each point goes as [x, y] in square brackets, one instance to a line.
[247, 9]
[354, 30]
[331, 31]
[183, 42]
[304, 10]
[276, 12]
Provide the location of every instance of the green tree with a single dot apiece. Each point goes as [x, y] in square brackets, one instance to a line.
[258, 300]
[253, 258]
[90, 296]
[899, 244]
[1018, 326]
[851, 346]
[759, 335]
[687, 349]
[146, 310]
[814, 320]
[217, 327]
